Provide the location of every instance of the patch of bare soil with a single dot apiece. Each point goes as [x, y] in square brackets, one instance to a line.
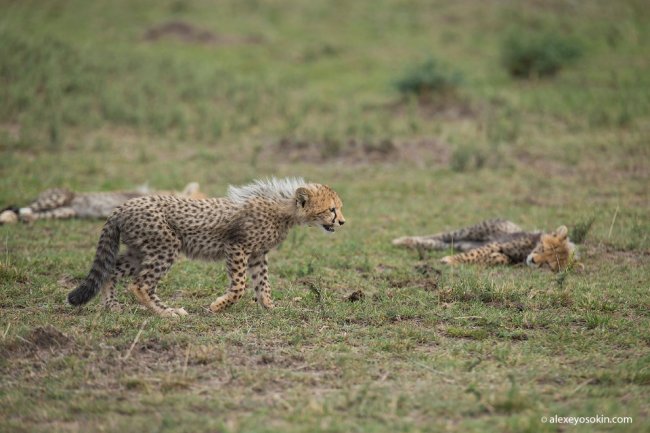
[424, 283]
[632, 164]
[48, 336]
[611, 254]
[545, 165]
[154, 354]
[154, 363]
[423, 152]
[11, 129]
[42, 338]
[450, 107]
[599, 169]
[425, 277]
[210, 366]
[191, 34]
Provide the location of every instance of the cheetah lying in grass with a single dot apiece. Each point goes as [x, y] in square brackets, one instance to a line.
[499, 242]
[240, 228]
[61, 203]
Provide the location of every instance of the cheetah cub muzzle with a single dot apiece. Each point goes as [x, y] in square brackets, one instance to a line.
[240, 229]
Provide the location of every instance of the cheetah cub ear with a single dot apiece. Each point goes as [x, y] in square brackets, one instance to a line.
[562, 232]
[302, 196]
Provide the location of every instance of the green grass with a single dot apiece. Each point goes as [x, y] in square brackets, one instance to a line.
[87, 103]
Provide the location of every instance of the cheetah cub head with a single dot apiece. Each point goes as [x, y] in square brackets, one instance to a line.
[554, 251]
[319, 205]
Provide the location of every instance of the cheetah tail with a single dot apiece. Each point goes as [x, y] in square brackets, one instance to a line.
[103, 265]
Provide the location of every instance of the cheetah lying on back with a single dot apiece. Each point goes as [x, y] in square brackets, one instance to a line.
[61, 203]
[499, 242]
[240, 228]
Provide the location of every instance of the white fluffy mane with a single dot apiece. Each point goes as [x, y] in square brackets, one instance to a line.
[275, 189]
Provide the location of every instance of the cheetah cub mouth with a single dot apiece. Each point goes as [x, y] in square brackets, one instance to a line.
[329, 227]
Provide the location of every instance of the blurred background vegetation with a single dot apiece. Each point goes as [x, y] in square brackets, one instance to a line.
[245, 73]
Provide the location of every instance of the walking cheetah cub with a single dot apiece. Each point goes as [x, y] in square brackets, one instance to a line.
[500, 242]
[240, 228]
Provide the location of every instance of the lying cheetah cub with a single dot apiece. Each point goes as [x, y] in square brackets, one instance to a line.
[61, 203]
[499, 242]
[240, 228]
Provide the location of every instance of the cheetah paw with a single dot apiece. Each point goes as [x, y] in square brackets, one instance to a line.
[217, 306]
[180, 311]
[173, 312]
[405, 241]
[448, 260]
[267, 304]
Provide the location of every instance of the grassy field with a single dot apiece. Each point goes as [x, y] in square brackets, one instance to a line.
[109, 95]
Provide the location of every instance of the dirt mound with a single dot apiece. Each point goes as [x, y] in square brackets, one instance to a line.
[42, 339]
[45, 337]
[429, 151]
[189, 33]
[355, 296]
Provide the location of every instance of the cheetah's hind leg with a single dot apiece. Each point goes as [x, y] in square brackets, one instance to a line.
[424, 242]
[127, 265]
[153, 267]
[65, 212]
[146, 295]
[47, 202]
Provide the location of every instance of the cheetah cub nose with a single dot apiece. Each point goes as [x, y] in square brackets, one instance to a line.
[341, 223]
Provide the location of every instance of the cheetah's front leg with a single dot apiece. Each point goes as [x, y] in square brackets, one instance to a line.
[258, 268]
[236, 264]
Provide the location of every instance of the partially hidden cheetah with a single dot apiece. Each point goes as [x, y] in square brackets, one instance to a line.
[62, 203]
[499, 242]
[240, 228]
